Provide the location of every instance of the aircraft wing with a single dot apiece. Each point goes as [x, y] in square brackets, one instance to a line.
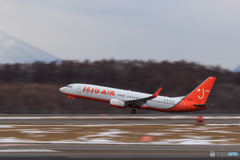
[140, 102]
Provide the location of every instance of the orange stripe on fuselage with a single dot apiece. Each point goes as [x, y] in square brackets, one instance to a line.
[117, 106]
[178, 108]
[189, 107]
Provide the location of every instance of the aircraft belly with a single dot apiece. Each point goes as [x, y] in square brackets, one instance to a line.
[159, 106]
[163, 106]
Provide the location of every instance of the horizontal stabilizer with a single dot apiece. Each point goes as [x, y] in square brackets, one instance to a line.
[202, 105]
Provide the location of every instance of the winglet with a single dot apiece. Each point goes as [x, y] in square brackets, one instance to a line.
[157, 93]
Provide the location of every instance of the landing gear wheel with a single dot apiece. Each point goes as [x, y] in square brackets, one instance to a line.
[133, 111]
[73, 102]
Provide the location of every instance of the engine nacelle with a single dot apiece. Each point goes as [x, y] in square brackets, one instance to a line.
[117, 103]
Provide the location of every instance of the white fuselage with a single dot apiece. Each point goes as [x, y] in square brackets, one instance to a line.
[105, 94]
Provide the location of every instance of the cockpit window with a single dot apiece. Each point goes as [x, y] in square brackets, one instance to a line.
[70, 86]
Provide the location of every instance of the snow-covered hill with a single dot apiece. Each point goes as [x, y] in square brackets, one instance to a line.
[237, 69]
[13, 50]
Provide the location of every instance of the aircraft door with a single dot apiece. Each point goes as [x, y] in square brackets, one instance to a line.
[79, 88]
[182, 105]
[124, 97]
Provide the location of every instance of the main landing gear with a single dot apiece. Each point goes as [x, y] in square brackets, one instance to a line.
[73, 102]
[133, 111]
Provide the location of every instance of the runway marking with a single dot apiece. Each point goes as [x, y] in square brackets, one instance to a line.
[98, 125]
[9, 145]
[25, 150]
[123, 117]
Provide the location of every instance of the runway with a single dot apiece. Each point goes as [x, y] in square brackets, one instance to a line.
[115, 151]
[117, 136]
[115, 119]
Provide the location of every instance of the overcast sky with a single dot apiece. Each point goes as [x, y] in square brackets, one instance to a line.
[203, 31]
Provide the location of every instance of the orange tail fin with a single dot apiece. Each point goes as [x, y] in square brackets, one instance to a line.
[201, 93]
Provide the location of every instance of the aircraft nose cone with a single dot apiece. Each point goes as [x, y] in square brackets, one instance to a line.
[62, 89]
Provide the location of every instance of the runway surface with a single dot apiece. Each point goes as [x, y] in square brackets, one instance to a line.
[115, 119]
[46, 132]
[116, 151]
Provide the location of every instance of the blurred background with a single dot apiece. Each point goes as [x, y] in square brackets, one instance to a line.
[34, 87]
[140, 45]
[137, 45]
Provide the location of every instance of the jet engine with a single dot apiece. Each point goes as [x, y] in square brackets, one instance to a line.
[117, 103]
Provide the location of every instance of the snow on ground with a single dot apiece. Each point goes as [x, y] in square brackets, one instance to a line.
[15, 140]
[34, 131]
[192, 141]
[222, 132]
[156, 134]
[6, 126]
[164, 134]
[105, 136]
[223, 124]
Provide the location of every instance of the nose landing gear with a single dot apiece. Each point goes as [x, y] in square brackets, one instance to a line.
[133, 111]
[73, 101]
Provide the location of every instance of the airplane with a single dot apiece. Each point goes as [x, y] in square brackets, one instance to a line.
[125, 98]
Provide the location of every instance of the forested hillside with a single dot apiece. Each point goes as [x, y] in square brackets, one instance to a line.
[34, 88]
